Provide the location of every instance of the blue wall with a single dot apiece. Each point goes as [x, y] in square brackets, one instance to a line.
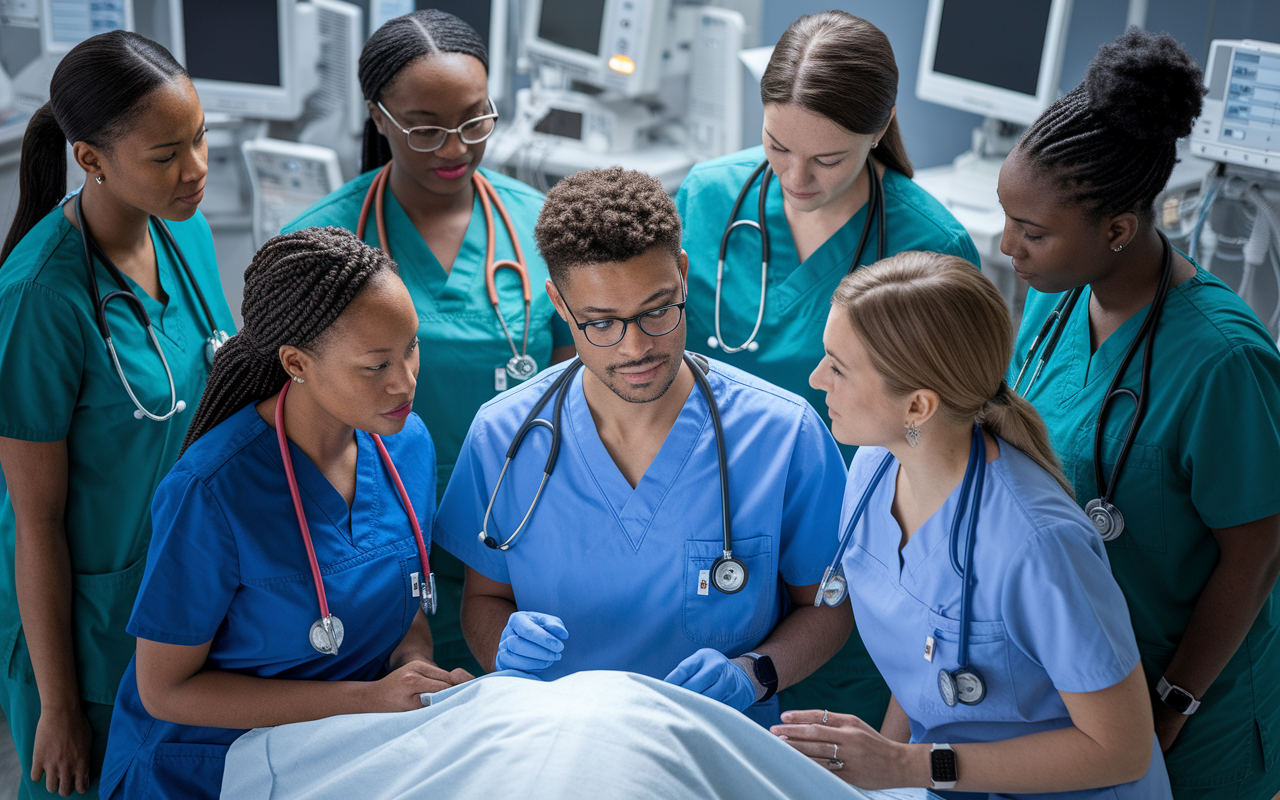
[935, 135]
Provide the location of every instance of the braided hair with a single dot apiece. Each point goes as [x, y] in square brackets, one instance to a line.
[297, 285]
[1111, 141]
[396, 45]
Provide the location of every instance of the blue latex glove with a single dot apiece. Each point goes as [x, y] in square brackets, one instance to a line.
[530, 642]
[711, 674]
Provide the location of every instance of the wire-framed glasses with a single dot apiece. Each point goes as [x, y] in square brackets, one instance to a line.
[426, 138]
[608, 331]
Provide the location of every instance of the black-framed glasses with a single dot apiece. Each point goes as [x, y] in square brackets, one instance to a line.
[608, 331]
[428, 138]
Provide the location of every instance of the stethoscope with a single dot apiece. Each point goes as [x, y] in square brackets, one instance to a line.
[728, 573]
[216, 338]
[327, 632]
[875, 211]
[1104, 515]
[521, 365]
[963, 684]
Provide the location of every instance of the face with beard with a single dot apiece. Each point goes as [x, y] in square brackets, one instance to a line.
[595, 300]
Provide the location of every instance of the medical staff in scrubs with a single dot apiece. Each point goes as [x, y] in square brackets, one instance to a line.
[1200, 549]
[231, 592]
[829, 93]
[420, 74]
[80, 467]
[616, 564]
[916, 350]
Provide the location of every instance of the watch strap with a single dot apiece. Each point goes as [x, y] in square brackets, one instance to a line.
[944, 770]
[1176, 697]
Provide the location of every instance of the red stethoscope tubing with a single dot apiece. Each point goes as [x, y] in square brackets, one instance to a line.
[302, 517]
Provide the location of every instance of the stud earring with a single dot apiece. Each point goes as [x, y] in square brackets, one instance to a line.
[874, 145]
[913, 435]
[99, 180]
[1117, 249]
[299, 380]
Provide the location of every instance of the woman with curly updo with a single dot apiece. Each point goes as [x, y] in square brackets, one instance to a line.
[1161, 391]
[237, 575]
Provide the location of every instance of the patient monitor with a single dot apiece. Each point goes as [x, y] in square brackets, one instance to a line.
[1240, 123]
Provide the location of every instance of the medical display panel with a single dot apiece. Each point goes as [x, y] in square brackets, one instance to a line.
[615, 45]
[572, 24]
[208, 29]
[67, 23]
[1240, 123]
[997, 58]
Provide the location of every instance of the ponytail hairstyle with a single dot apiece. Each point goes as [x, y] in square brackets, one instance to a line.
[98, 90]
[842, 67]
[932, 321]
[397, 44]
[297, 285]
[1111, 141]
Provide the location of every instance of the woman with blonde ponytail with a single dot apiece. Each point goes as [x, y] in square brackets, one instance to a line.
[916, 349]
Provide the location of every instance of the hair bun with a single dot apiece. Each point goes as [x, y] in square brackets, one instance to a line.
[1146, 84]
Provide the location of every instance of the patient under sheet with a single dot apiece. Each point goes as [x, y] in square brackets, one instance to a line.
[590, 734]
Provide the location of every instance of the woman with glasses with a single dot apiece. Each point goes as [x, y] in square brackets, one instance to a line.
[425, 78]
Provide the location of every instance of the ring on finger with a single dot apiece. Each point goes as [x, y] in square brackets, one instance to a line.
[825, 713]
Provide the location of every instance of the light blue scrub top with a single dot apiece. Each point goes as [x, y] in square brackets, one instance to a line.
[1206, 456]
[622, 567]
[461, 340]
[799, 295]
[1046, 615]
[228, 565]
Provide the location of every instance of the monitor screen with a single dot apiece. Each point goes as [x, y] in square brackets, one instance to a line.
[1007, 54]
[252, 25]
[73, 21]
[574, 24]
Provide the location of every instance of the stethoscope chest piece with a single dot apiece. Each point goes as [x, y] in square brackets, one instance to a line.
[1106, 519]
[963, 686]
[834, 587]
[728, 574]
[326, 635]
[522, 367]
[213, 344]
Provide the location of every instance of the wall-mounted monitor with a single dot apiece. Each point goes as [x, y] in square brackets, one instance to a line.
[996, 58]
[66, 23]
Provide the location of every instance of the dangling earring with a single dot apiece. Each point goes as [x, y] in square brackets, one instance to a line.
[299, 380]
[99, 180]
[913, 434]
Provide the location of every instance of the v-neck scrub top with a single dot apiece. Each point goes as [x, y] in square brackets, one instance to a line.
[228, 566]
[627, 569]
[1207, 456]
[461, 341]
[57, 382]
[1045, 614]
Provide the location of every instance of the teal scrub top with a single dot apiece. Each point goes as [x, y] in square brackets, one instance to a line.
[57, 382]
[1206, 456]
[461, 343]
[799, 295]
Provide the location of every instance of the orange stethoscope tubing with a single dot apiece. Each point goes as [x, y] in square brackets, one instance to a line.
[520, 365]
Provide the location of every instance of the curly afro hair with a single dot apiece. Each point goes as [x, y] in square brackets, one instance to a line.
[601, 216]
[1111, 141]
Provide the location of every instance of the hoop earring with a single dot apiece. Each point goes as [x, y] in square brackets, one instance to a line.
[913, 435]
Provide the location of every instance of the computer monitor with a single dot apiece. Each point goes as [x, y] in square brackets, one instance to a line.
[997, 58]
[241, 55]
[615, 45]
[66, 23]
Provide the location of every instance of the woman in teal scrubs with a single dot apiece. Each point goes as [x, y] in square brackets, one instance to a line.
[429, 68]
[829, 113]
[81, 460]
[1200, 548]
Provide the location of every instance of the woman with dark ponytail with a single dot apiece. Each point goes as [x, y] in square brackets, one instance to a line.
[422, 70]
[829, 96]
[81, 459]
[1199, 549]
[226, 618]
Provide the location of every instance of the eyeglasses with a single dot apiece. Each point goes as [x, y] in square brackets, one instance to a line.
[608, 331]
[426, 138]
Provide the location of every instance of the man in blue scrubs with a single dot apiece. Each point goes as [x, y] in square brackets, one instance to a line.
[613, 567]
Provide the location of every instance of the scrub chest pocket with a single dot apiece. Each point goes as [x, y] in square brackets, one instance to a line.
[988, 655]
[716, 619]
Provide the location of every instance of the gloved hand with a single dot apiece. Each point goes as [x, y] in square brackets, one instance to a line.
[530, 642]
[711, 674]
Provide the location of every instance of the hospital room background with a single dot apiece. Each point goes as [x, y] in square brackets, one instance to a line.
[274, 152]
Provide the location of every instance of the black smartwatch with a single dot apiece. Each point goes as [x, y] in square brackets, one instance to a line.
[1177, 698]
[943, 770]
[766, 675]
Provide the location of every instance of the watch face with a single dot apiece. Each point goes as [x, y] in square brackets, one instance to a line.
[1178, 700]
[943, 766]
[765, 673]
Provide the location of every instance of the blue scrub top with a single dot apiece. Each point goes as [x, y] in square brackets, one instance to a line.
[622, 566]
[798, 296]
[462, 340]
[1046, 615]
[228, 565]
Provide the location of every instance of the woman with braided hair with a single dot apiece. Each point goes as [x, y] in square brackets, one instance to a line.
[227, 607]
[424, 77]
[1190, 513]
